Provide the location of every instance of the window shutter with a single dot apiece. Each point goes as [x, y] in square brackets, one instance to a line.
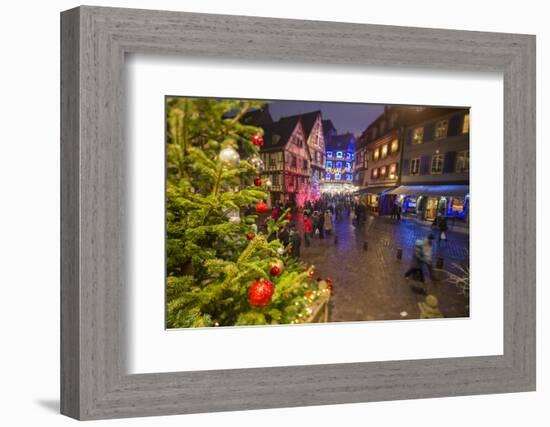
[429, 131]
[449, 162]
[454, 125]
[425, 165]
[405, 167]
[408, 137]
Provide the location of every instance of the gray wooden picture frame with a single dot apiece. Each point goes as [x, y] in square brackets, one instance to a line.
[94, 41]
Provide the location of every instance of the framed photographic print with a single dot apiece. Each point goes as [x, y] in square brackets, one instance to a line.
[294, 213]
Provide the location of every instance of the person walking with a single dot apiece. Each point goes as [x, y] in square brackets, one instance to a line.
[442, 228]
[295, 242]
[308, 229]
[328, 222]
[315, 223]
[422, 257]
[321, 225]
[284, 235]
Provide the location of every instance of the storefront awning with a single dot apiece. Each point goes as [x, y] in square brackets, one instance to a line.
[432, 190]
[375, 190]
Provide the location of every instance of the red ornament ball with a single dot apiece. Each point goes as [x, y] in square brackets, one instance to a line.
[275, 270]
[328, 280]
[260, 293]
[311, 273]
[250, 236]
[257, 140]
[289, 216]
[257, 182]
[261, 208]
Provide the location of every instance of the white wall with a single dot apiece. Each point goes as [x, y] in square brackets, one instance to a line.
[29, 212]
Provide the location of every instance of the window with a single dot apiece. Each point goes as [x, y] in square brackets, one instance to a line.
[275, 179]
[376, 154]
[272, 161]
[338, 165]
[348, 156]
[337, 176]
[441, 129]
[437, 163]
[329, 164]
[385, 151]
[348, 166]
[339, 155]
[394, 146]
[327, 175]
[463, 161]
[415, 166]
[393, 170]
[383, 171]
[305, 164]
[456, 207]
[418, 135]
[466, 123]
[293, 162]
[374, 173]
[329, 153]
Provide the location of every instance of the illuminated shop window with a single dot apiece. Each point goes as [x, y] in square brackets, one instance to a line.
[339, 155]
[348, 156]
[338, 165]
[383, 171]
[337, 176]
[376, 154]
[349, 177]
[375, 173]
[328, 175]
[329, 153]
[457, 207]
[348, 166]
[329, 164]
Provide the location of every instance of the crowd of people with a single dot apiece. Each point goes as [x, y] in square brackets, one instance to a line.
[320, 217]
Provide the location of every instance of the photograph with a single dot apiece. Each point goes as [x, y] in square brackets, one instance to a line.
[292, 212]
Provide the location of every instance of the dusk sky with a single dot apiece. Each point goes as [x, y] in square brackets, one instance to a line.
[346, 117]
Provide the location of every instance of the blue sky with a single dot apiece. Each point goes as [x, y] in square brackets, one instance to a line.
[346, 117]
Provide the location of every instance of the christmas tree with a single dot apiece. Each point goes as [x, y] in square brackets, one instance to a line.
[225, 266]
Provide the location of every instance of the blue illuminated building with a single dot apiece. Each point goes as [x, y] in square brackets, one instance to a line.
[340, 150]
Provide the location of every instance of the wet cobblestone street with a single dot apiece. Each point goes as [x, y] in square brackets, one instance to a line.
[370, 284]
